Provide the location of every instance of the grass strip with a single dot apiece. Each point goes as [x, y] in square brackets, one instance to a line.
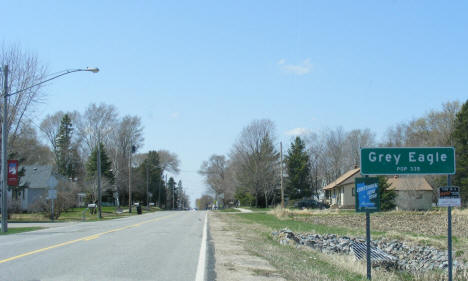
[14, 230]
[228, 210]
[296, 226]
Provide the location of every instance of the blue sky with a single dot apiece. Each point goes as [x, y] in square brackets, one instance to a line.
[197, 72]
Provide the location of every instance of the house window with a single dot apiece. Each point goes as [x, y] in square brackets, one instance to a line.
[419, 196]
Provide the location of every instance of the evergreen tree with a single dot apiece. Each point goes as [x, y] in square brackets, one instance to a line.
[298, 169]
[460, 137]
[106, 164]
[63, 153]
[152, 166]
[387, 196]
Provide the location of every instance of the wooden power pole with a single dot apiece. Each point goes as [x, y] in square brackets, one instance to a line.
[281, 164]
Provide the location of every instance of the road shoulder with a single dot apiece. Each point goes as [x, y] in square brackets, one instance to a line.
[232, 261]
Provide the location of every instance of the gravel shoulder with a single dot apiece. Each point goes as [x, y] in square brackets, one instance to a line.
[232, 261]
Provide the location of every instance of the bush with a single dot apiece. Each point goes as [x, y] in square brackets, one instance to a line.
[14, 206]
[244, 197]
[66, 199]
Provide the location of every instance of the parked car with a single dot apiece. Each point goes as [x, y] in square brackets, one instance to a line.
[311, 203]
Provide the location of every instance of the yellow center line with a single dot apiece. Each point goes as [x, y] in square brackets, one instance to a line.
[87, 238]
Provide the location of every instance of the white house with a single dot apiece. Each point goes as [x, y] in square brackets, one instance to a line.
[412, 192]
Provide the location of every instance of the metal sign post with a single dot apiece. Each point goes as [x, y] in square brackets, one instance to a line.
[368, 248]
[449, 242]
[449, 196]
[368, 201]
[52, 214]
[52, 194]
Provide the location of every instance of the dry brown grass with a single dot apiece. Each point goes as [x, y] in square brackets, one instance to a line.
[304, 263]
[283, 213]
[429, 224]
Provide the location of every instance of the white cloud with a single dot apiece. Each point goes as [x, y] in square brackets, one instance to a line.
[298, 69]
[175, 115]
[298, 132]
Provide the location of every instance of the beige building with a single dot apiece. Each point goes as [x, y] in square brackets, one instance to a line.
[412, 192]
[340, 193]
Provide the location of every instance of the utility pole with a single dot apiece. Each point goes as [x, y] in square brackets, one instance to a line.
[4, 152]
[147, 186]
[281, 164]
[99, 174]
[167, 188]
[130, 180]
[159, 192]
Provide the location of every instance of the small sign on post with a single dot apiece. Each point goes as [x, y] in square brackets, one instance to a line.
[449, 196]
[52, 194]
[367, 195]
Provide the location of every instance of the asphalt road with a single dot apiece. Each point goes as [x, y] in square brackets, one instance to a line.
[157, 246]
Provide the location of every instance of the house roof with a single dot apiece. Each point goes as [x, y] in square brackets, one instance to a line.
[409, 183]
[36, 176]
[396, 183]
[342, 179]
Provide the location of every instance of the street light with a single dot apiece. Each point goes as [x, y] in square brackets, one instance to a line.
[5, 135]
[132, 150]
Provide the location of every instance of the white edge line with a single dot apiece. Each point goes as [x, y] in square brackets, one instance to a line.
[202, 257]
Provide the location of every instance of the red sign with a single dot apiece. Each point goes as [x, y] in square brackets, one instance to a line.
[12, 178]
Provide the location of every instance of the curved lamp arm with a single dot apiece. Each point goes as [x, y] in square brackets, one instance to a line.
[93, 70]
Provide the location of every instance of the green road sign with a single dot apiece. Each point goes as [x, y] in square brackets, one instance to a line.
[367, 194]
[407, 160]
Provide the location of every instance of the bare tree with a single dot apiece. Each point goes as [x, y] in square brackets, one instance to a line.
[354, 141]
[335, 150]
[50, 128]
[318, 162]
[97, 121]
[28, 149]
[255, 158]
[204, 202]
[214, 171]
[433, 129]
[169, 161]
[24, 72]
[128, 132]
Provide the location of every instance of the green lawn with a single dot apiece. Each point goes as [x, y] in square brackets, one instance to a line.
[20, 229]
[256, 209]
[76, 214]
